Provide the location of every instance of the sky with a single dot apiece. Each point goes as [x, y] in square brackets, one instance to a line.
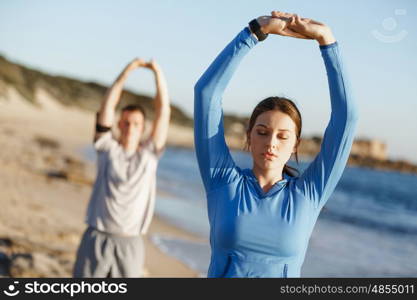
[93, 41]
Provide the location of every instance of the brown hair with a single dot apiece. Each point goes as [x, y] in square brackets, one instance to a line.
[286, 106]
[135, 107]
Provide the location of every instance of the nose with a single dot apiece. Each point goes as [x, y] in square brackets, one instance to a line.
[128, 127]
[131, 129]
[272, 142]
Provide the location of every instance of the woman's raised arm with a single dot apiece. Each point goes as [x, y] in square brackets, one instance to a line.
[213, 156]
[320, 179]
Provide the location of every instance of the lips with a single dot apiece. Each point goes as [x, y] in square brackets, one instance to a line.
[269, 155]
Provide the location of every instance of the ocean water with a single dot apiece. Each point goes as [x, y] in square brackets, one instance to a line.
[368, 227]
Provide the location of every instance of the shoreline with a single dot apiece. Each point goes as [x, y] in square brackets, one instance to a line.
[159, 264]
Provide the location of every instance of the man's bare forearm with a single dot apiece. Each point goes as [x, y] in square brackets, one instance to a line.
[162, 109]
[112, 97]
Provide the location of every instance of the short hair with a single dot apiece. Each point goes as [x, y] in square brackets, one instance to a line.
[135, 107]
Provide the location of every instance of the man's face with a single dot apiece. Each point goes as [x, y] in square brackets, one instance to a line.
[131, 126]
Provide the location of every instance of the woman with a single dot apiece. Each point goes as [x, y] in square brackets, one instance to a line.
[261, 219]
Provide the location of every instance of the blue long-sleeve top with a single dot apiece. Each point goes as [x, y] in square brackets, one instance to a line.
[252, 233]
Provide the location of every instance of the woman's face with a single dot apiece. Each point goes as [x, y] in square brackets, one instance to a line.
[272, 140]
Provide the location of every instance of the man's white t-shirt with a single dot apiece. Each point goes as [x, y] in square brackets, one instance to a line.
[123, 197]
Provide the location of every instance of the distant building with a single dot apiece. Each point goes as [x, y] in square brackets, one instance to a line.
[362, 148]
[370, 149]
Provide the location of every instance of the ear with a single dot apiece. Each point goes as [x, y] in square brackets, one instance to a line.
[297, 143]
[119, 123]
[248, 140]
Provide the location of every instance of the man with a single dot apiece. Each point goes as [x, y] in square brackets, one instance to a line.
[122, 202]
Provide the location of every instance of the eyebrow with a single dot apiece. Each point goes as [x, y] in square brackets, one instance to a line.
[262, 125]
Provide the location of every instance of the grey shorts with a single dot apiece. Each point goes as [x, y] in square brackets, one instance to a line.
[102, 255]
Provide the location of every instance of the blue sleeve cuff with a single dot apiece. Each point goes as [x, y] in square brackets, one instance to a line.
[250, 35]
[333, 45]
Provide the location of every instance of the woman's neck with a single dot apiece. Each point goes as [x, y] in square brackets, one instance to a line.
[267, 178]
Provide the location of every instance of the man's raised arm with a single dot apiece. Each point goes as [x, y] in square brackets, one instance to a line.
[105, 116]
[160, 126]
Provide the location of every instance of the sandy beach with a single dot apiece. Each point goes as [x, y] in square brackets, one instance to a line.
[45, 184]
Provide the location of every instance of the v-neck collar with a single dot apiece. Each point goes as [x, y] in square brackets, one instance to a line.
[275, 188]
[130, 156]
